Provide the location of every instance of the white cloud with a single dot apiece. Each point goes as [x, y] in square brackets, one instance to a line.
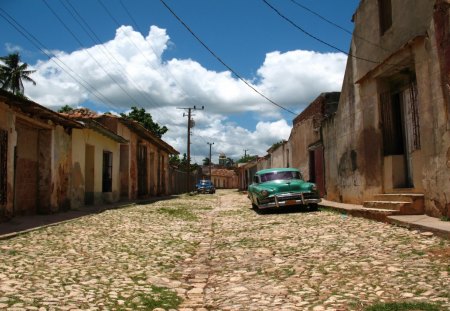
[11, 48]
[129, 70]
[228, 137]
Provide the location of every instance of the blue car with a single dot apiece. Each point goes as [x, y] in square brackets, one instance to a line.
[205, 186]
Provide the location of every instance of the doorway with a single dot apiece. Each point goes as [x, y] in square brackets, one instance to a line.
[400, 119]
[89, 175]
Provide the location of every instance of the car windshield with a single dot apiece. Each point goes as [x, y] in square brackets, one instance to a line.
[205, 182]
[280, 175]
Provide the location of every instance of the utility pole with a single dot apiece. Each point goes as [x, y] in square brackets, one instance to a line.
[190, 124]
[210, 144]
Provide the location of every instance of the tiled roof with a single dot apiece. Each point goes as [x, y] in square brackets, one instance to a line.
[223, 172]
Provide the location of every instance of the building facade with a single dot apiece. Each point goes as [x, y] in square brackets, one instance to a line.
[35, 158]
[305, 141]
[390, 134]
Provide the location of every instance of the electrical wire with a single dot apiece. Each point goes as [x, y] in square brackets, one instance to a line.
[336, 25]
[88, 52]
[91, 33]
[315, 37]
[54, 58]
[221, 61]
[154, 51]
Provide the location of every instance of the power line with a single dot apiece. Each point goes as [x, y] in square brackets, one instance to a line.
[87, 51]
[56, 60]
[153, 49]
[315, 37]
[335, 24]
[221, 61]
[91, 33]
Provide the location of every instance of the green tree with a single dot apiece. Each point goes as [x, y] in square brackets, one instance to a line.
[13, 73]
[174, 160]
[145, 118]
[65, 109]
[206, 161]
[246, 159]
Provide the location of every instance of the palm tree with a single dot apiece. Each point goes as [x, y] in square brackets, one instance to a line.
[12, 73]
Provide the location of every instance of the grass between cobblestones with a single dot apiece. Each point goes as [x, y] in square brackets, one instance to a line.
[123, 259]
[138, 258]
[404, 306]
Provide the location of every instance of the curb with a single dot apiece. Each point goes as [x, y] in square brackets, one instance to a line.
[11, 235]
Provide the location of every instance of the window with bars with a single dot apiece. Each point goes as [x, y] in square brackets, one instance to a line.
[107, 172]
[3, 165]
[385, 15]
[400, 119]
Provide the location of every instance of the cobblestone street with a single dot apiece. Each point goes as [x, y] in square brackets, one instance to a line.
[213, 252]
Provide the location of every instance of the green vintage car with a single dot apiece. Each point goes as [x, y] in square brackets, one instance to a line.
[278, 187]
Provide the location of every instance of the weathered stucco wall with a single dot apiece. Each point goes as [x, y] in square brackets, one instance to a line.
[61, 169]
[302, 137]
[432, 66]
[7, 123]
[98, 143]
[279, 156]
[356, 166]
[342, 144]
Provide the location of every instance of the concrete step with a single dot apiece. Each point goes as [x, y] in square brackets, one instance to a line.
[402, 197]
[387, 205]
[403, 203]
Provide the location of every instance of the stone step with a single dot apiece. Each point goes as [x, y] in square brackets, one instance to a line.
[401, 197]
[387, 205]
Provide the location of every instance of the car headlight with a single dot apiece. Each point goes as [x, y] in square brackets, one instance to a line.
[313, 188]
[264, 193]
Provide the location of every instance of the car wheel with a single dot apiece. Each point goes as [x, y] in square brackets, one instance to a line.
[313, 207]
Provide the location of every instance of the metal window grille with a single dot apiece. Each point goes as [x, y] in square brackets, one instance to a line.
[414, 111]
[3, 165]
[391, 123]
[107, 172]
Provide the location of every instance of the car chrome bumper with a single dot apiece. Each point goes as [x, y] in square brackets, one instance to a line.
[290, 202]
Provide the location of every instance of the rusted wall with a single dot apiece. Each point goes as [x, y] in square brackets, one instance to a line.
[61, 169]
[45, 172]
[7, 123]
[355, 164]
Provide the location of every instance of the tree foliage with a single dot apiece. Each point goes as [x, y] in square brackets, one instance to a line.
[145, 118]
[206, 161]
[13, 73]
[182, 164]
[65, 109]
[247, 158]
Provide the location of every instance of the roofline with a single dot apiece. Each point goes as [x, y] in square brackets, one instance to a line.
[147, 134]
[100, 128]
[31, 108]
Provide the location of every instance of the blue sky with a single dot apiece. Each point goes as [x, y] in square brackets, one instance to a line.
[137, 53]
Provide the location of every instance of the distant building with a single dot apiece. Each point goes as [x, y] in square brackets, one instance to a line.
[222, 159]
[224, 179]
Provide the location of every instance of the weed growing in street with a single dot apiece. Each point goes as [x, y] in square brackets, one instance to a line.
[180, 212]
[403, 306]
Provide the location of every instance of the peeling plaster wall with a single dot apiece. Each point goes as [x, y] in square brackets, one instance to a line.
[435, 132]
[100, 143]
[342, 146]
[61, 169]
[279, 157]
[355, 164]
[7, 122]
[302, 136]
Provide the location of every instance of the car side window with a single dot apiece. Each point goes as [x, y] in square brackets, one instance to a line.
[255, 179]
